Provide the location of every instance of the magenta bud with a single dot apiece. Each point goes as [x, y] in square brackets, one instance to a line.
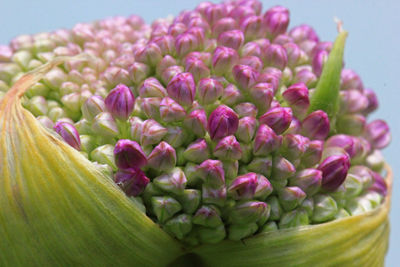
[197, 151]
[196, 121]
[318, 61]
[223, 25]
[151, 87]
[5, 53]
[246, 109]
[149, 54]
[275, 56]
[283, 39]
[372, 101]
[151, 107]
[278, 119]
[353, 101]
[253, 4]
[334, 171]
[196, 67]
[205, 57]
[170, 111]
[272, 79]
[252, 27]
[93, 106]
[231, 95]
[276, 20]
[228, 148]
[223, 121]
[223, 60]
[209, 90]
[316, 125]
[212, 173]
[293, 146]
[176, 28]
[282, 168]
[294, 127]
[262, 95]
[169, 73]
[327, 46]
[185, 43]
[233, 39]
[263, 189]
[378, 134]
[251, 49]
[69, 133]
[152, 132]
[241, 11]
[120, 102]
[166, 43]
[215, 12]
[182, 88]
[266, 141]
[246, 129]
[313, 153]
[252, 61]
[309, 180]
[349, 79]
[295, 55]
[303, 33]
[245, 76]
[163, 157]
[348, 143]
[379, 184]
[129, 154]
[297, 97]
[305, 76]
[135, 128]
[244, 186]
[132, 181]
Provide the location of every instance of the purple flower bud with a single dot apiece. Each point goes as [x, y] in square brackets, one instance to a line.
[244, 186]
[185, 43]
[253, 4]
[166, 43]
[196, 121]
[166, 62]
[196, 67]
[215, 196]
[372, 101]
[138, 72]
[303, 33]
[291, 197]
[207, 216]
[378, 134]
[262, 95]
[275, 56]
[205, 57]
[215, 12]
[197, 151]
[152, 132]
[318, 61]
[105, 125]
[245, 76]
[365, 174]
[212, 173]
[352, 101]
[379, 184]
[297, 97]
[348, 143]
[163, 157]
[326, 46]
[223, 60]
[223, 25]
[132, 181]
[251, 49]
[295, 55]
[334, 170]
[120, 102]
[316, 125]
[252, 27]
[350, 80]
[246, 129]
[276, 20]
[278, 119]
[261, 165]
[169, 73]
[69, 133]
[252, 61]
[223, 121]
[281, 169]
[352, 124]
[151, 87]
[246, 109]
[182, 88]
[150, 54]
[305, 76]
[266, 141]
[294, 127]
[309, 180]
[231, 95]
[233, 39]
[129, 154]
[176, 28]
[241, 11]
[293, 146]
[263, 189]
[151, 107]
[247, 212]
[228, 148]
[209, 90]
[282, 39]
[171, 111]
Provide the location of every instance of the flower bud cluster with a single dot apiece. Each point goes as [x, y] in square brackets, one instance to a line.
[204, 119]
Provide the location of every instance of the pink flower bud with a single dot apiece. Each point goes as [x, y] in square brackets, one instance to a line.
[182, 88]
[151, 87]
[185, 43]
[309, 180]
[166, 62]
[152, 132]
[305, 76]
[372, 101]
[69, 133]
[224, 59]
[233, 39]
[297, 97]
[350, 80]
[132, 181]
[138, 72]
[231, 95]
[93, 106]
[215, 12]
[228, 148]
[303, 33]
[223, 25]
[293, 146]
[264, 187]
[212, 173]
[252, 27]
[246, 129]
[379, 184]
[169, 73]
[352, 101]
[150, 54]
[262, 95]
[266, 141]
[326, 46]
[163, 157]
[244, 186]
[196, 121]
[120, 102]
[316, 125]
[246, 109]
[223, 121]
[209, 90]
[252, 61]
[166, 43]
[5, 53]
[378, 134]
[197, 68]
[282, 39]
[245, 76]
[197, 151]
[275, 56]
[334, 170]
[313, 153]
[352, 124]
[241, 11]
[151, 107]
[129, 154]
[276, 20]
[176, 28]
[171, 111]
[277, 118]
[251, 49]
[348, 143]
[282, 169]
[295, 55]
[318, 61]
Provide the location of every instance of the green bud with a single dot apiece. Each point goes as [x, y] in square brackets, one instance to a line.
[56, 113]
[150, 191]
[104, 155]
[358, 206]
[105, 125]
[276, 209]
[325, 208]
[165, 207]
[8, 71]
[240, 231]
[208, 216]
[211, 235]
[231, 169]
[247, 212]
[269, 227]
[374, 197]
[38, 106]
[216, 196]
[33, 64]
[84, 126]
[88, 143]
[179, 226]
[38, 89]
[353, 186]
[22, 58]
[261, 165]
[290, 197]
[247, 152]
[4, 87]
[173, 182]
[342, 213]
[190, 200]
[308, 206]
[294, 218]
